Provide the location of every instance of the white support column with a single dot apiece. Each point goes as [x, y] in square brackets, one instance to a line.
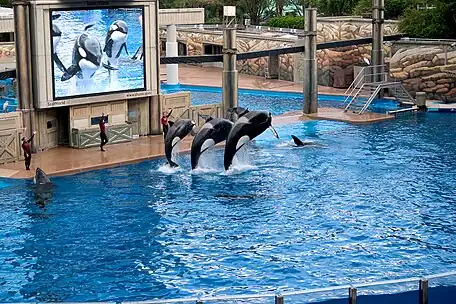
[172, 70]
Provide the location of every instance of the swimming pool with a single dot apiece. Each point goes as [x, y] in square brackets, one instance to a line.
[372, 202]
[276, 102]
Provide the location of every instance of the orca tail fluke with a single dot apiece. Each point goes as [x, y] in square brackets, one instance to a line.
[172, 164]
[297, 141]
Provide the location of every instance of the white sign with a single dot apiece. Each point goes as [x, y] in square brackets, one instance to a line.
[229, 11]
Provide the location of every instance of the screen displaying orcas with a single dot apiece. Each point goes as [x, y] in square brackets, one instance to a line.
[92, 51]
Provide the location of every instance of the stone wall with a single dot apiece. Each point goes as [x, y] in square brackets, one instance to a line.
[291, 65]
[427, 69]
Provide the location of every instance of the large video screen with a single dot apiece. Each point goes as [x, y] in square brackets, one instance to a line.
[97, 51]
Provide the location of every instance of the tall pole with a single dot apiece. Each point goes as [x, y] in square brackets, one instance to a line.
[230, 74]
[310, 84]
[378, 19]
[172, 70]
[23, 72]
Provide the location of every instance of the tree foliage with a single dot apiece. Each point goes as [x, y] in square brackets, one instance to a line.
[295, 22]
[438, 22]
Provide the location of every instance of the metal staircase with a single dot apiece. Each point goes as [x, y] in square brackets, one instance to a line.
[370, 81]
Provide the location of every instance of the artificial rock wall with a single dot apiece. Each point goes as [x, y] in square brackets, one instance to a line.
[291, 65]
[430, 69]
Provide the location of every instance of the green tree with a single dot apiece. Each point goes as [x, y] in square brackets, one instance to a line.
[437, 22]
[393, 8]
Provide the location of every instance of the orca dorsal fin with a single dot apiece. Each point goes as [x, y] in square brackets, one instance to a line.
[206, 117]
[297, 141]
[243, 112]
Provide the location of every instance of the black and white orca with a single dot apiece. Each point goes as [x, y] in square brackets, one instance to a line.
[177, 131]
[42, 188]
[86, 57]
[115, 42]
[214, 131]
[56, 37]
[41, 177]
[247, 127]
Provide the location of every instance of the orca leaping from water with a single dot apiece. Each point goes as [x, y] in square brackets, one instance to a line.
[247, 127]
[115, 42]
[56, 36]
[214, 131]
[177, 131]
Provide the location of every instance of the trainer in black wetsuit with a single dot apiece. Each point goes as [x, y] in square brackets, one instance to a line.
[27, 150]
[103, 136]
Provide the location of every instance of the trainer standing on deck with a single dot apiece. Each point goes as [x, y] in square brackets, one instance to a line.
[103, 136]
[165, 123]
[27, 150]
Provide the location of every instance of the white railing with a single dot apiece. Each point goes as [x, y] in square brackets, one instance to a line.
[279, 297]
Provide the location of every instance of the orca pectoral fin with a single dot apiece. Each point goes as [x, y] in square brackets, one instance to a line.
[138, 53]
[297, 141]
[88, 26]
[70, 72]
[125, 47]
[274, 132]
[59, 63]
[170, 123]
[109, 67]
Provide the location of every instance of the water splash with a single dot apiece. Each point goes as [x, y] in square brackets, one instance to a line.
[242, 160]
[207, 162]
[167, 169]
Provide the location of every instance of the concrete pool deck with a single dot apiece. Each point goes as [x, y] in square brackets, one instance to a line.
[65, 160]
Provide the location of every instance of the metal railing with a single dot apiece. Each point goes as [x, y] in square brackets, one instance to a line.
[368, 74]
[368, 84]
[279, 297]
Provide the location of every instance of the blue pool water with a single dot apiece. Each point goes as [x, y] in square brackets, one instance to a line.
[372, 202]
[276, 102]
[9, 95]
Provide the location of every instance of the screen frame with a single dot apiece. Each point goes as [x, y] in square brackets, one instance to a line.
[70, 97]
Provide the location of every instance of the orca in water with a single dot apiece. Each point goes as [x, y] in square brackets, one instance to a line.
[233, 114]
[177, 131]
[56, 36]
[86, 57]
[115, 42]
[300, 143]
[247, 127]
[214, 131]
[297, 141]
[41, 177]
[42, 188]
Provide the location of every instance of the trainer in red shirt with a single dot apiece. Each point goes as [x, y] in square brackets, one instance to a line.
[165, 123]
[27, 150]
